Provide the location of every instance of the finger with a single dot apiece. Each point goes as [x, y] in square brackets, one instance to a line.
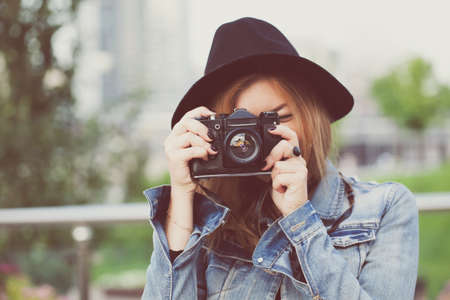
[282, 181]
[287, 166]
[281, 150]
[200, 111]
[193, 126]
[294, 167]
[189, 139]
[187, 154]
[286, 133]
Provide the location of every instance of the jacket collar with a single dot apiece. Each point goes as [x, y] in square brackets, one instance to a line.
[207, 214]
[329, 199]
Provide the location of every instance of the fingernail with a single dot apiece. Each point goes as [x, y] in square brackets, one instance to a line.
[272, 128]
[214, 148]
[265, 165]
[296, 151]
[210, 134]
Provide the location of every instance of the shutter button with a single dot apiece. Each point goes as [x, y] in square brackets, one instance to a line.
[260, 260]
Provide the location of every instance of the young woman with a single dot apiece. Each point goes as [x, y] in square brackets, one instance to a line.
[304, 231]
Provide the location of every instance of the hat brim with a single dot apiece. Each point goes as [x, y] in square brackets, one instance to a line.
[336, 99]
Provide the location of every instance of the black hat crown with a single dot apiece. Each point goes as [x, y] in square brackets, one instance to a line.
[250, 45]
[244, 38]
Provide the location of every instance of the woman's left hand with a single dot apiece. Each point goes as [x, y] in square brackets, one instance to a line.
[289, 176]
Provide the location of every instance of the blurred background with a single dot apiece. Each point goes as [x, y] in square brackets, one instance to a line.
[88, 88]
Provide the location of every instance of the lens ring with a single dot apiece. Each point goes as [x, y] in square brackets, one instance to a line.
[243, 146]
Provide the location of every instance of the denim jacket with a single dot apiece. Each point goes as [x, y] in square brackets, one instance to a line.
[372, 254]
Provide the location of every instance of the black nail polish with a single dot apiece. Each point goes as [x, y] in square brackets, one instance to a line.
[214, 148]
[210, 134]
[296, 151]
[272, 128]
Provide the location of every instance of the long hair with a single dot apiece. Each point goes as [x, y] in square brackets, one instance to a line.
[240, 193]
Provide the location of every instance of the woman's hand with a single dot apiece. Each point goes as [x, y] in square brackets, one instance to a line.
[289, 173]
[189, 139]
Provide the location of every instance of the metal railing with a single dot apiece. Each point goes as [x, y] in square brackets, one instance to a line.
[82, 216]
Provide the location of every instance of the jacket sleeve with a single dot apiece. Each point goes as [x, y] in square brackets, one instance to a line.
[184, 277]
[390, 268]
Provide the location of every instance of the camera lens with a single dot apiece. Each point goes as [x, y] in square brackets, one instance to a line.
[243, 146]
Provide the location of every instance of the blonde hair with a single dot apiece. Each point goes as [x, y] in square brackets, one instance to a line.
[238, 193]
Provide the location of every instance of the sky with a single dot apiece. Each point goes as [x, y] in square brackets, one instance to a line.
[376, 34]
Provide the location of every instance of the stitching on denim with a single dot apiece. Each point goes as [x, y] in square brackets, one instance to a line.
[340, 196]
[305, 268]
[362, 257]
[308, 234]
[278, 255]
[303, 286]
[370, 237]
[249, 293]
[161, 245]
[390, 197]
[164, 189]
[297, 226]
[228, 256]
[372, 224]
[229, 279]
[171, 284]
[218, 267]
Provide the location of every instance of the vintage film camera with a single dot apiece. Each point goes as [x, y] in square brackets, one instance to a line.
[242, 142]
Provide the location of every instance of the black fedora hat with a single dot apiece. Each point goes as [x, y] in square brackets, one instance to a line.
[250, 45]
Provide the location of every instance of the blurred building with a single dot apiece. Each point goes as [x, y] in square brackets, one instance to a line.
[368, 140]
[375, 141]
[147, 42]
[140, 49]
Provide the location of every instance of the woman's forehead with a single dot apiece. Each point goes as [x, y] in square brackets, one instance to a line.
[261, 96]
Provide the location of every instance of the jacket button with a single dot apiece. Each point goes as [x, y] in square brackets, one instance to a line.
[260, 259]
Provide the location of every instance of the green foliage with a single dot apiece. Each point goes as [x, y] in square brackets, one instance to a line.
[49, 258]
[42, 145]
[163, 179]
[436, 180]
[45, 265]
[434, 248]
[411, 95]
[20, 288]
[14, 286]
[45, 156]
[49, 156]
[127, 247]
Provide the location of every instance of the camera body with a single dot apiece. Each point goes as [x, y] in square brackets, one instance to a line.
[242, 142]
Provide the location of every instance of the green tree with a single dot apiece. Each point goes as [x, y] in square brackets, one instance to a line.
[45, 156]
[39, 133]
[411, 95]
[49, 156]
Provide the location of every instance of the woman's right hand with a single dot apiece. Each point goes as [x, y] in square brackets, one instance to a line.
[188, 139]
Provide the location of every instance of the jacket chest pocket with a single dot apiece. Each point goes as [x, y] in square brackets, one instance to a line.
[217, 272]
[352, 242]
[230, 278]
